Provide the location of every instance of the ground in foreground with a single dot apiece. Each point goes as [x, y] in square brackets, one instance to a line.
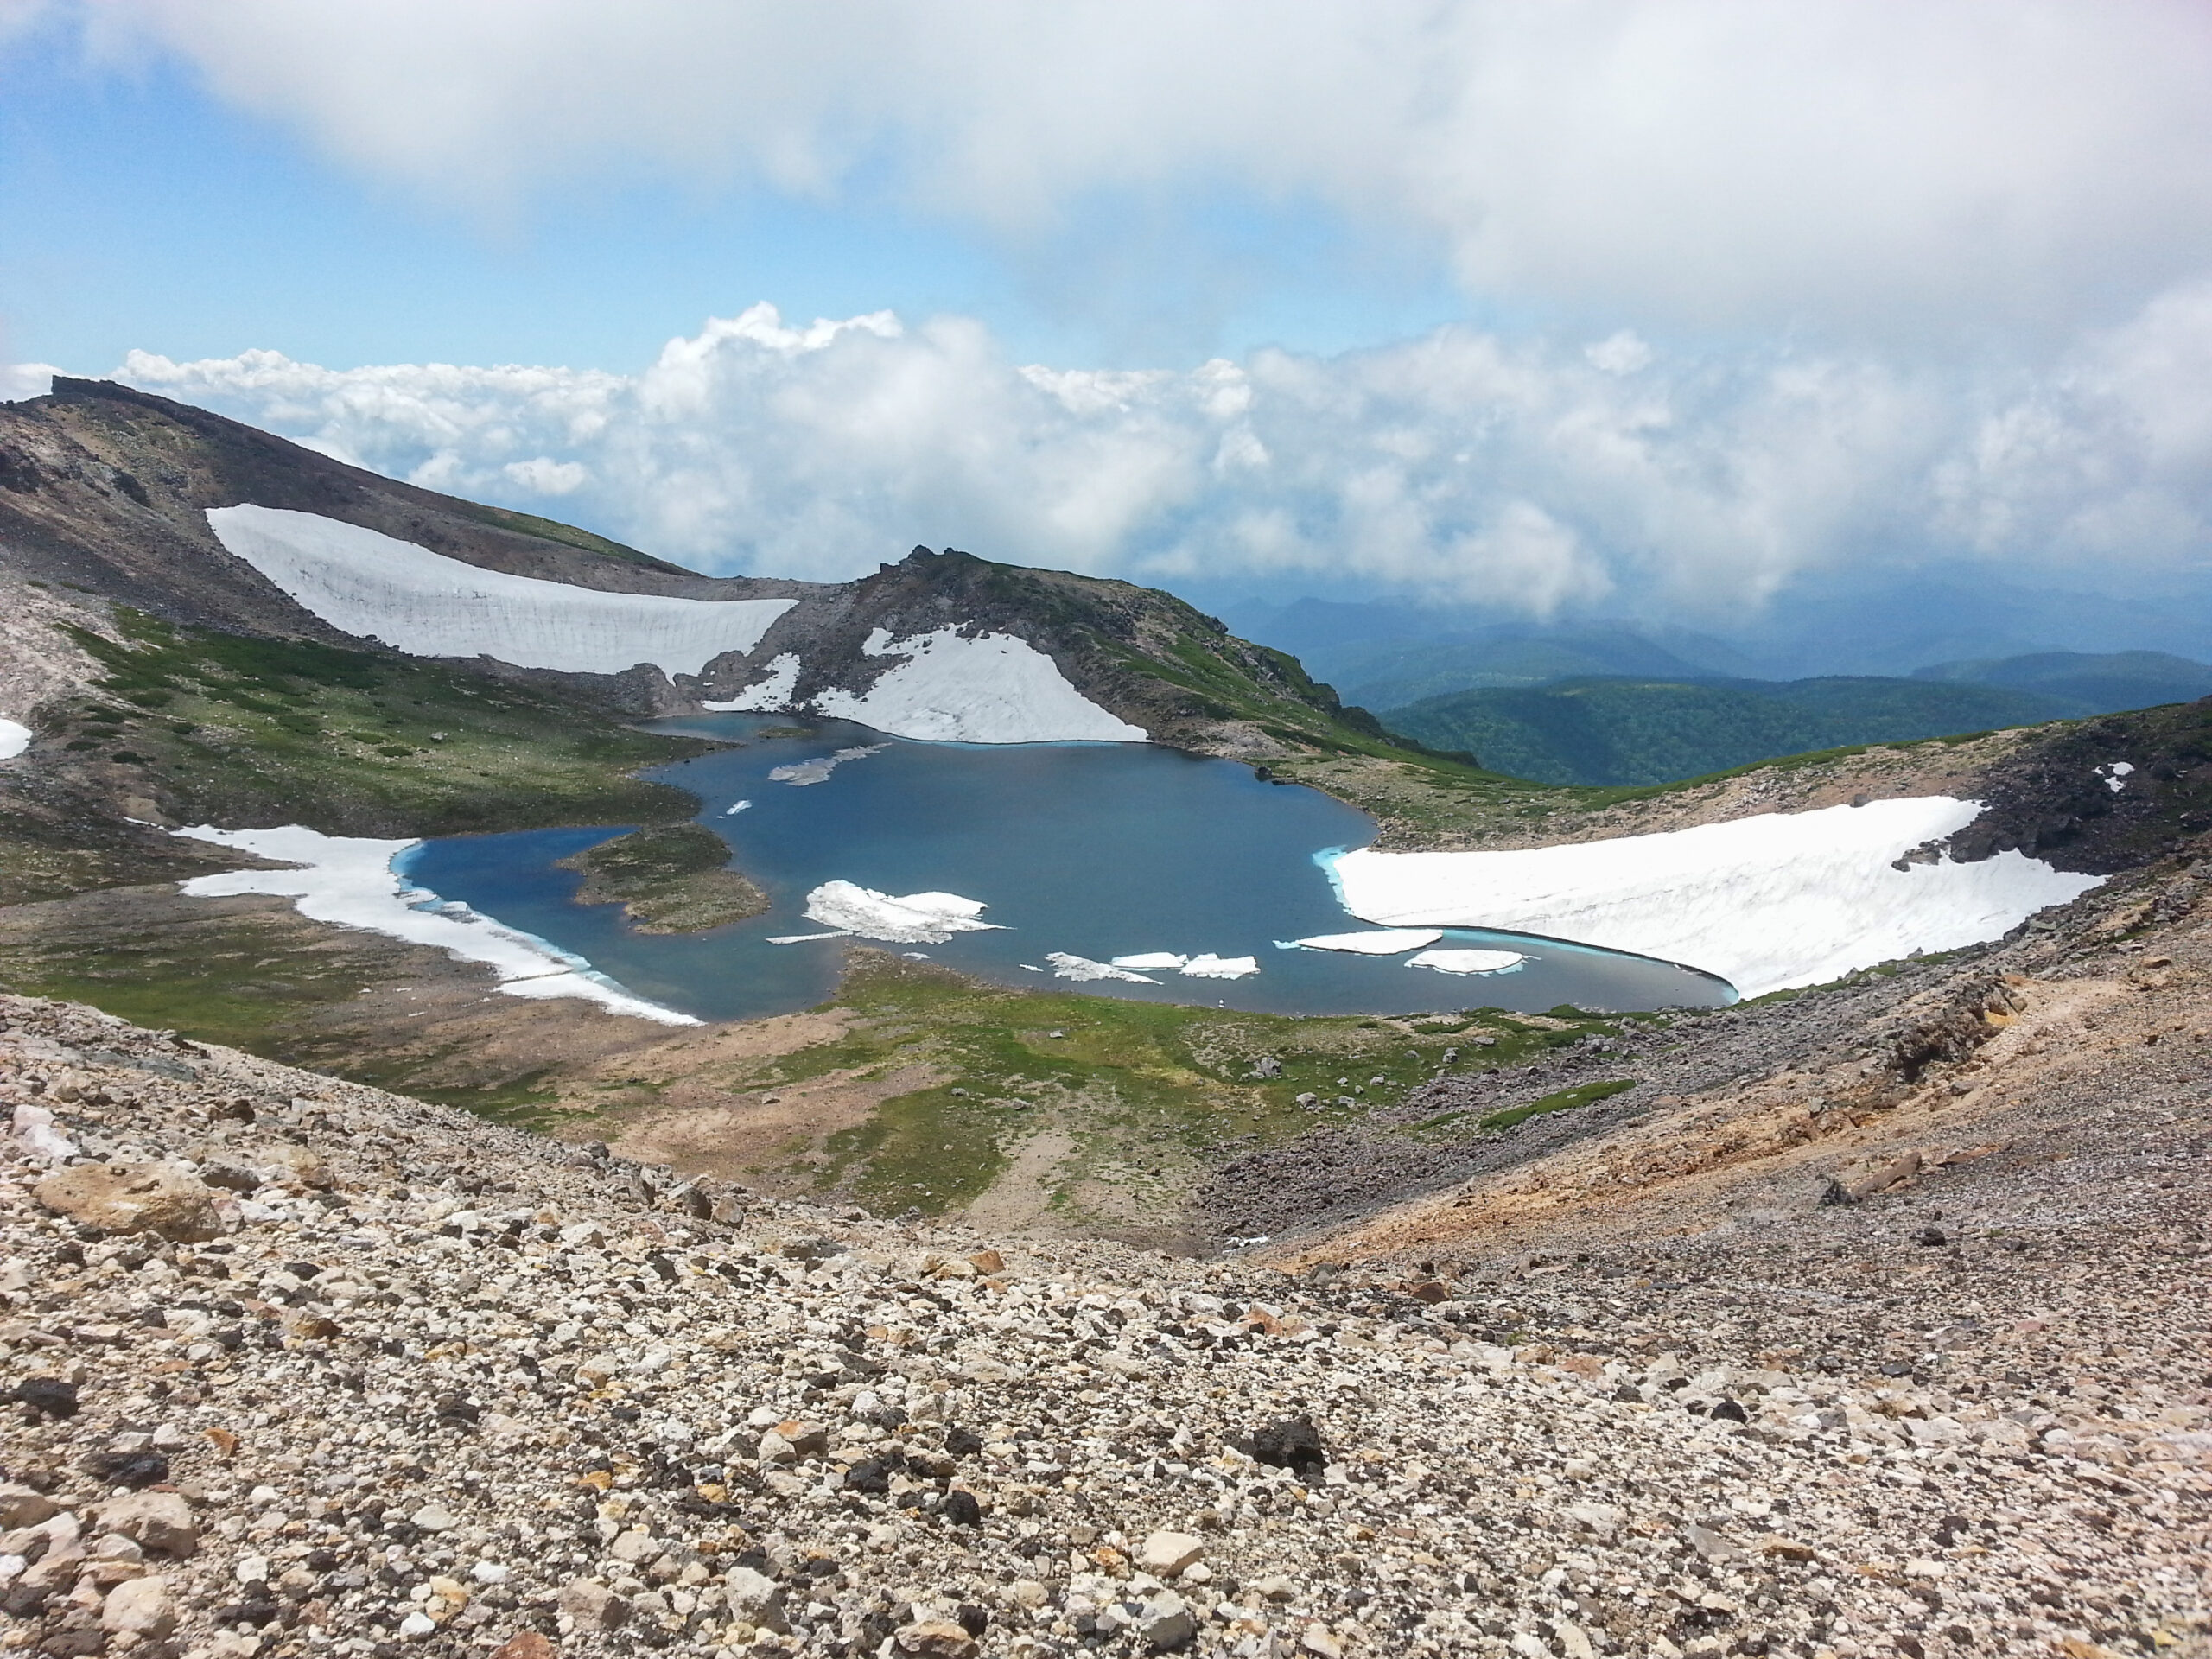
[379, 1373]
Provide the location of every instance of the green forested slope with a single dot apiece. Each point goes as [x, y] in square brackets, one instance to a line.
[1624, 731]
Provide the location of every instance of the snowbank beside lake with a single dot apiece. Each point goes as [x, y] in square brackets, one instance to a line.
[766, 695]
[994, 689]
[350, 880]
[378, 587]
[1767, 903]
[15, 738]
[910, 918]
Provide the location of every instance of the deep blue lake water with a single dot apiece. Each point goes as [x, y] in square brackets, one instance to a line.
[1096, 850]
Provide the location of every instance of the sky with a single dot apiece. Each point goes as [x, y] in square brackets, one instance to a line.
[1554, 308]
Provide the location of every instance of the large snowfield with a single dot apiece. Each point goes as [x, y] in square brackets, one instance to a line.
[379, 587]
[994, 689]
[349, 879]
[1767, 903]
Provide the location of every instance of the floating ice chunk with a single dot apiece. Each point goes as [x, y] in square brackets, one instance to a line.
[1207, 965]
[2114, 772]
[737, 808]
[1067, 966]
[1029, 967]
[766, 695]
[994, 689]
[800, 773]
[1767, 902]
[1155, 959]
[377, 587]
[911, 918]
[349, 879]
[1382, 942]
[15, 738]
[1467, 962]
[801, 938]
[916, 955]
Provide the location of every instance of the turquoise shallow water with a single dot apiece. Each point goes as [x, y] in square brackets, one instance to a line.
[1096, 850]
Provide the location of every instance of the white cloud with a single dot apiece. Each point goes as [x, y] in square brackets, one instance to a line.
[1459, 464]
[1873, 168]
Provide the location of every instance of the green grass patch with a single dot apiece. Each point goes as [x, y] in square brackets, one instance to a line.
[355, 742]
[1565, 1100]
[1150, 1093]
[669, 878]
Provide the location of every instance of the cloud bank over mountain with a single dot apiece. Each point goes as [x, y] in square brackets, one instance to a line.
[1536, 476]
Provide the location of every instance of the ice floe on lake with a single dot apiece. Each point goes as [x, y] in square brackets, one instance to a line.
[992, 688]
[766, 695]
[807, 938]
[350, 880]
[1206, 965]
[908, 919]
[1380, 942]
[800, 773]
[15, 738]
[1769, 902]
[1199, 968]
[378, 587]
[1467, 962]
[737, 807]
[1082, 968]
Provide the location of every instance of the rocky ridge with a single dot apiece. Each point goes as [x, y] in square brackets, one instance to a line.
[295, 1366]
[105, 490]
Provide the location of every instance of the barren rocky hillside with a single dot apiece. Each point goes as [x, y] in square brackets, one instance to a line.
[295, 1366]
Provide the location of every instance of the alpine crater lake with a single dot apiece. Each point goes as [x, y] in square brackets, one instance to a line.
[1077, 854]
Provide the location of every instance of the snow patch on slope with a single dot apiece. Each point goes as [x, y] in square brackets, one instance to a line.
[15, 738]
[1768, 902]
[766, 695]
[350, 880]
[996, 689]
[377, 587]
[910, 918]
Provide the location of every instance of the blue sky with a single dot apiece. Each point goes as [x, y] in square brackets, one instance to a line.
[1668, 307]
[147, 213]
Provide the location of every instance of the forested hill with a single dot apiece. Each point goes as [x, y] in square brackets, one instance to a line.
[1634, 731]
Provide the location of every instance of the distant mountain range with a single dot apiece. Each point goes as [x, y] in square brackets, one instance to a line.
[1616, 703]
[1634, 730]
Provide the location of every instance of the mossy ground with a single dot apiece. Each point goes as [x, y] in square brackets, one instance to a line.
[1145, 1097]
[669, 878]
[240, 730]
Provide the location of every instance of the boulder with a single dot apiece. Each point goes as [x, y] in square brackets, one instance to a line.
[139, 1607]
[589, 1605]
[161, 1198]
[161, 1522]
[756, 1599]
[935, 1639]
[1166, 1553]
[24, 1506]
